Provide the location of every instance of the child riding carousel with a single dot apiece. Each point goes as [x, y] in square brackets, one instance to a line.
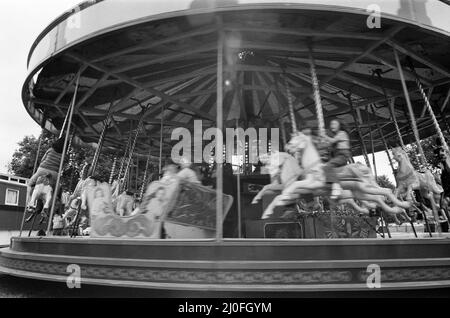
[340, 154]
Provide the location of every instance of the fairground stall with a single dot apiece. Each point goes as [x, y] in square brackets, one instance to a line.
[133, 78]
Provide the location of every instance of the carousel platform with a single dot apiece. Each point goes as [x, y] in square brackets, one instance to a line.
[234, 265]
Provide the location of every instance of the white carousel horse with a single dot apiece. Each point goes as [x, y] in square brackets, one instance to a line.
[284, 170]
[408, 180]
[356, 178]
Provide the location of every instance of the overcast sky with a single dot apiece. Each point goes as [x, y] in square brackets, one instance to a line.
[21, 23]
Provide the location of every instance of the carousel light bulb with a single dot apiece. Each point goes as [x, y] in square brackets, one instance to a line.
[227, 82]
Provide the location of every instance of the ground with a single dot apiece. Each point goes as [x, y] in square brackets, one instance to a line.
[14, 287]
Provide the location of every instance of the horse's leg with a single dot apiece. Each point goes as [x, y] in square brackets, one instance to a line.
[48, 198]
[379, 202]
[33, 199]
[434, 207]
[267, 188]
[376, 190]
[287, 197]
[309, 184]
[270, 208]
[83, 199]
[355, 206]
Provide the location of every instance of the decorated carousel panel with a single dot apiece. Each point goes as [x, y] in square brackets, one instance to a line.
[170, 209]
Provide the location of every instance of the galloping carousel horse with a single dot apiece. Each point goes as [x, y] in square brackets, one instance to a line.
[355, 178]
[408, 180]
[284, 170]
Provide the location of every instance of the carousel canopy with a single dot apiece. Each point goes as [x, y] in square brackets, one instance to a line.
[135, 54]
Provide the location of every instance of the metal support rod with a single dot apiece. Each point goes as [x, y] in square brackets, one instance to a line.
[238, 194]
[101, 140]
[397, 128]
[136, 181]
[161, 140]
[316, 91]
[372, 145]
[380, 130]
[61, 133]
[444, 104]
[410, 108]
[113, 170]
[131, 151]
[358, 129]
[391, 105]
[283, 132]
[61, 164]
[219, 141]
[430, 110]
[144, 181]
[122, 162]
[41, 136]
[290, 102]
[385, 224]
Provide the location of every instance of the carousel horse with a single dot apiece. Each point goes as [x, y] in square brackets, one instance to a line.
[408, 180]
[42, 191]
[444, 163]
[355, 178]
[284, 171]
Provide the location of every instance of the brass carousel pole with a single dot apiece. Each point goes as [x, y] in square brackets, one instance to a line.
[316, 92]
[238, 191]
[61, 164]
[390, 104]
[383, 139]
[101, 140]
[430, 109]
[161, 140]
[410, 108]
[219, 141]
[283, 132]
[372, 147]
[358, 129]
[113, 171]
[413, 125]
[144, 181]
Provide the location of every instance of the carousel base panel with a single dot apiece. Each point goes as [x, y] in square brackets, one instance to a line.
[232, 265]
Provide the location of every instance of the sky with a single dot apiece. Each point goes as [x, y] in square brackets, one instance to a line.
[21, 23]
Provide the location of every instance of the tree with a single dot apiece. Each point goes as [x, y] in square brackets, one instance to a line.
[428, 146]
[23, 159]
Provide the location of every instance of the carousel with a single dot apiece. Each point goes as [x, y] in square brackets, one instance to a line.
[126, 77]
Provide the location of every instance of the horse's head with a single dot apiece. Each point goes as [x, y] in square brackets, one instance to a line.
[298, 142]
[399, 154]
[273, 162]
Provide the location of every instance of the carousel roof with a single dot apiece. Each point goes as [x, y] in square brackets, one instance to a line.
[168, 60]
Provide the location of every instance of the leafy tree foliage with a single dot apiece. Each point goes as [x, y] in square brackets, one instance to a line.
[383, 181]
